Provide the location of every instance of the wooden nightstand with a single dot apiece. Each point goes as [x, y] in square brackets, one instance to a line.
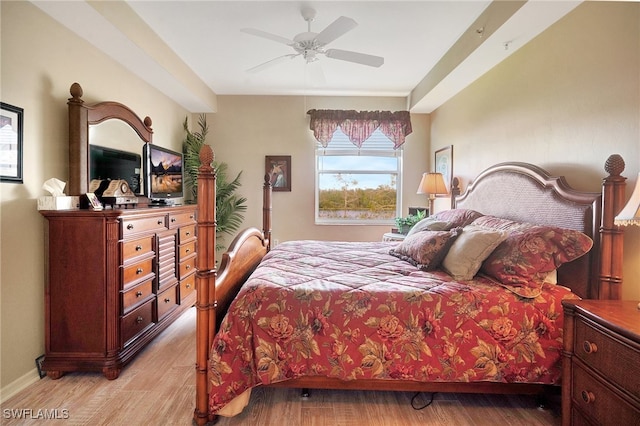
[601, 364]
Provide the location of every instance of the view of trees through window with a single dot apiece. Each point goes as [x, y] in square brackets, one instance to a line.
[352, 201]
[358, 185]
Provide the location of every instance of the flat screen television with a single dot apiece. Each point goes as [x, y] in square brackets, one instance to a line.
[109, 163]
[163, 172]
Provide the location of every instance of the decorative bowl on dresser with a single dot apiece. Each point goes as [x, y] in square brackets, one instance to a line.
[601, 364]
[115, 280]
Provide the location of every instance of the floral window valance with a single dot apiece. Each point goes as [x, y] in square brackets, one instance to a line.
[359, 125]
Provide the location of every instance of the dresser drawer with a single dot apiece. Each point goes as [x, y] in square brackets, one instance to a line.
[136, 295]
[179, 219]
[139, 247]
[137, 272]
[187, 287]
[186, 250]
[613, 358]
[186, 233]
[137, 321]
[187, 267]
[599, 402]
[167, 301]
[131, 226]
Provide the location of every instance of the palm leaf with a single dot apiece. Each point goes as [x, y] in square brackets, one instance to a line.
[229, 206]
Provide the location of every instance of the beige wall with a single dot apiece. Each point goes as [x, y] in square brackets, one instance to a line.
[246, 128]
[565, 101]
[40, 60]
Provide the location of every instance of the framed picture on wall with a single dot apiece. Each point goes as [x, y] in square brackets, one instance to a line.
[11, 125]
[444, 164]
[278, 167]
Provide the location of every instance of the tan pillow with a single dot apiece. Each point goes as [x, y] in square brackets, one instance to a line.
[470, 249]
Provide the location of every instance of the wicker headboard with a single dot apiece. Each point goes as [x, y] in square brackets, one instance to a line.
[527, 193]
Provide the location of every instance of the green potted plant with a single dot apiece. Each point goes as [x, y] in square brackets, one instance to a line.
[404, 224]
[229, 206]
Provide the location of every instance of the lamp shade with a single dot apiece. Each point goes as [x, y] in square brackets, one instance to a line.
[432, 184]
[630, 214]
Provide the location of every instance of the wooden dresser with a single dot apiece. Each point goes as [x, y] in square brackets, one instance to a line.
[115, 280]
[601, 364]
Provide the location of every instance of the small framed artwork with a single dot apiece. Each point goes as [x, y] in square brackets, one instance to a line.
[278, 168]
[11, 127]
[444, 164]
[94, 203]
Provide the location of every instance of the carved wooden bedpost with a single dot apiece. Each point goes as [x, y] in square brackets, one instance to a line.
[266, 210]
[611, 236]
[205, 280]
[455, 191]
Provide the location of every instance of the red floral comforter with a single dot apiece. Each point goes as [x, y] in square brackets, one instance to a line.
[351, 311]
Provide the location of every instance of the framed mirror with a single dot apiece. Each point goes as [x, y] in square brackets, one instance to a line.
[81, 117]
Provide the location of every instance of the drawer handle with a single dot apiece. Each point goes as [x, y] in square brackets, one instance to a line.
[187, 233]
[589, 347]
[139, 320]
[167, 300]
[187, 250]
[138, 271]
[138, 293]
[190, 216]
[187, 267]
[138, 248]
[588, 397]
[160, 221]
[173, 219]
[188, 286]
[130, 227]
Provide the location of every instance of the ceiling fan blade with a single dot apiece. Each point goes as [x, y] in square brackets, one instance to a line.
[263, 34]
[271, 63]
[359, 58]
[339, 27]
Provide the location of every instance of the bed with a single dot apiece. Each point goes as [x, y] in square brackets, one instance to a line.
[416, 315]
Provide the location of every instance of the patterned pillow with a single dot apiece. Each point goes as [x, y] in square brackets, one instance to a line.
[531, 251]
[470, 249]
[429, 224]
[425, 250]
[457, 217]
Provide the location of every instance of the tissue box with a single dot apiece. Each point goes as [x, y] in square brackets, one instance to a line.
[63, 202]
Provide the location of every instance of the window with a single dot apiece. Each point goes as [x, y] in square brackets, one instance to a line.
[358, 186]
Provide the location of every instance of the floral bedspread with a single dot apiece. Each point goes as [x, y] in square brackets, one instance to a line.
[351, 311]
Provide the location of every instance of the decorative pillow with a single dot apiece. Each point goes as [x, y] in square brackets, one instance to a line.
[457, 217]
[470, 249]
[494, 222]
[531, 251]
[425, 250]
[429, 224]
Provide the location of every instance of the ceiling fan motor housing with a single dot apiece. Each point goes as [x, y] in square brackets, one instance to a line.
[307, 45]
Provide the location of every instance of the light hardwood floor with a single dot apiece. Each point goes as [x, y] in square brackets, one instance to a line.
[157, 388]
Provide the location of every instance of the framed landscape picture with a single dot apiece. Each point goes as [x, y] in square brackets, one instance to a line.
[444, 164]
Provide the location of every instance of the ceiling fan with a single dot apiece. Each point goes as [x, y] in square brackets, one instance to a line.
[309, 44]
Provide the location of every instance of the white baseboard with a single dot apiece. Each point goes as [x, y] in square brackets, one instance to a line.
[19, 384]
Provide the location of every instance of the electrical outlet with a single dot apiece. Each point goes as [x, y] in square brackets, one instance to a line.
[276, 242]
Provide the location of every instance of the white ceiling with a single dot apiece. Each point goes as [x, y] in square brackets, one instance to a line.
[194, 50]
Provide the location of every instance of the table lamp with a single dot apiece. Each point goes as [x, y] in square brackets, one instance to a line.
[433, 184]
[630, 214]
